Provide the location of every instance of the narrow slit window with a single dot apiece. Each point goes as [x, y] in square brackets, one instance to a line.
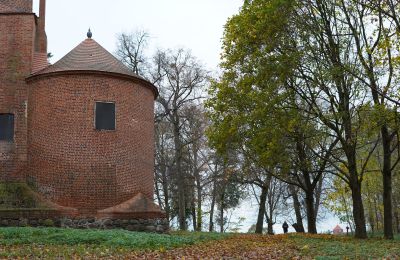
[105, 116]
[7, 127]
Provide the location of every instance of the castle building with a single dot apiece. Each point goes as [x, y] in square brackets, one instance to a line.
[78, 134]
[337, 230]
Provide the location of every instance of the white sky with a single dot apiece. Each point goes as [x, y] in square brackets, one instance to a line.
[248, 209]
[194, 24]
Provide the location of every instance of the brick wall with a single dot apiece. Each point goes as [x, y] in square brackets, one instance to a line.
[77, 166]
[24, 6]
[16, 51]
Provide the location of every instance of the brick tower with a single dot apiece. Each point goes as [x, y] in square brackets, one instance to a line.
[22, 51]
[78, 157]
[77, 135]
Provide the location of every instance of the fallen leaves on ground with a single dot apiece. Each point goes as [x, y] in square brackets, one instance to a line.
[235, 247]
[243, 246]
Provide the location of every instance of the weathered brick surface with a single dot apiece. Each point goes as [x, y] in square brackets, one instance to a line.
[56, 148]
[16, 52]
[77, 166]
[24, 6]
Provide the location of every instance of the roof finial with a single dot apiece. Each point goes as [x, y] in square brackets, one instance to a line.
[89, 34]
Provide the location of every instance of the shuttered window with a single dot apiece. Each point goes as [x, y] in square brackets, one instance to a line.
[105, 116]
[6, 127]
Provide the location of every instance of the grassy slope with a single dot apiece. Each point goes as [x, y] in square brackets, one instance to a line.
[71, 243]
[342, 247]
[55, 242]
[111, 238]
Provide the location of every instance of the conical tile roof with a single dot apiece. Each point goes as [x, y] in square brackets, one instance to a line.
[89, 56]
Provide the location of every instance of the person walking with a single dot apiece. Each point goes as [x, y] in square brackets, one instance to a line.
[285, 227]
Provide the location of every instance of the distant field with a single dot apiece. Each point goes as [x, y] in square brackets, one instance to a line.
[50, 243]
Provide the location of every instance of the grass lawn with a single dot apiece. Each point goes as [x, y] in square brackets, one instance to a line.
[50, 243]
[56, 242]
[342, 247]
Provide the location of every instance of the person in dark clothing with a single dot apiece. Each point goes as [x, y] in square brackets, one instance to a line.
[285, 227]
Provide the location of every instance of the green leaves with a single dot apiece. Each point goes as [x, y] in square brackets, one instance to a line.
[251, 106]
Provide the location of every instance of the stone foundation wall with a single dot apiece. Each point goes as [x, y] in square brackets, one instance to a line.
[141, 225]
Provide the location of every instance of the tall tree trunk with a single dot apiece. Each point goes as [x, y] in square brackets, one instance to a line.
[211, 222]
[371, 216]
[270, 216]
[180, 174]
[397, 217]
[387, 184]
[199, 211]
[355, 184]
[213, 198]
[193, 210]
[197, 178]
[270, 226]
[261, 209]
[387, 206]
[376, 213]
[166, 194]
[157, 190]
[387, 163]
[221, 215]
[311, 219]
[309, 187]
[358, 210]
[297, 209]
[318, 194]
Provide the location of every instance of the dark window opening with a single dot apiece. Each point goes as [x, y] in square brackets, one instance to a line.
[105, 116]
[7, 127]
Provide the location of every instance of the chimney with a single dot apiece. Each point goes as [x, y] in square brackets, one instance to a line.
[41, 38]
[42, 14]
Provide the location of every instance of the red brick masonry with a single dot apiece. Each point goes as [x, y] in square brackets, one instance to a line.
[84, 173]
[77, 166]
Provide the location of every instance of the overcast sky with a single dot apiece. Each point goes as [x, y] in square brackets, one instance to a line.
[194, 24]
